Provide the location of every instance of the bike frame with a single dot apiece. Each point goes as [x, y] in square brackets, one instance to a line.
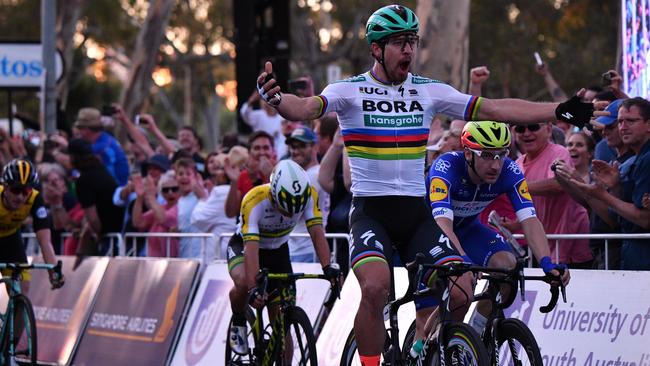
[265, 352]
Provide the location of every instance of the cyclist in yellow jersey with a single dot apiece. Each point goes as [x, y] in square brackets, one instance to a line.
[18, 200]
[268, 215]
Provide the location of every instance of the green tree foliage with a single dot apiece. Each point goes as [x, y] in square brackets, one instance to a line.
[576, 38]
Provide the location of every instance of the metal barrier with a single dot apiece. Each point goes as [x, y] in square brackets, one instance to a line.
[134, 236]
[121, 239]
[32, 247]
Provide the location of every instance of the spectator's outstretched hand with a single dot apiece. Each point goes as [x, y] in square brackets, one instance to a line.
[138, 186]
[646, 201]
[149, 186]
[120, 114]
[564, 171]
[338, 139]
[542, 69]
[148, 122]
[265, 166]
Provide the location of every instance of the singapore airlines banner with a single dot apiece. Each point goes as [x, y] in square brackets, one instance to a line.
[137, 312]
[605, 321]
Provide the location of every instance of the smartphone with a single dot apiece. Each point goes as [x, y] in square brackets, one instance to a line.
[607, 79]
[136, 120]
[538, 59]
[108, 110]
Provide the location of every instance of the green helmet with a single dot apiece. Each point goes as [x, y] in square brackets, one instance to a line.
[389, 20]
[485, 135]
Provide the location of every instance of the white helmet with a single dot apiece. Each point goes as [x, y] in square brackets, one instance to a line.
[290, 188]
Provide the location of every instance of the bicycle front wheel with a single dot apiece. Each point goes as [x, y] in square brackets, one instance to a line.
[462, 347]
[299, 346]
[22, 347]
[517, 345]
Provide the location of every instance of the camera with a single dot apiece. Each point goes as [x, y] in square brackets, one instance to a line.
[538, 59]
[108, 110]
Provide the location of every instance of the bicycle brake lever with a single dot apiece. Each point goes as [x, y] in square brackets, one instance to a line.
[551, 304]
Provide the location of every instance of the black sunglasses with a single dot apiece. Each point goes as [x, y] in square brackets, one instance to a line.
[25, 191]
[531, 128]
[169, 189]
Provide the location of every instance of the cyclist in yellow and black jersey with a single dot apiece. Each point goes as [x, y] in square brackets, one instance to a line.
[268, 215]
[19, 200]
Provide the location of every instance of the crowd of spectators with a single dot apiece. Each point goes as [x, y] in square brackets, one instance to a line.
[590, 181]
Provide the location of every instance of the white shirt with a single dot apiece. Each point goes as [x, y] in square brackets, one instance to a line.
[258, 119]
[210, 216]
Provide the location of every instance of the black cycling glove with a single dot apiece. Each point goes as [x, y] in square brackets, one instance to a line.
[575, 112]
[332, 271]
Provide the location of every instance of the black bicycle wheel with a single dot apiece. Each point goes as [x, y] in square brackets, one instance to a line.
[350, 351]
[517, 345]
[408, 341]
[24, 337]
[233, 359]
[462, 347]
[299, 346]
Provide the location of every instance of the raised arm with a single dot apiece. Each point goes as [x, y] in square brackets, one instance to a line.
[288, 105]
[330, 161]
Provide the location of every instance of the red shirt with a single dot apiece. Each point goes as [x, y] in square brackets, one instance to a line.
[245, 183]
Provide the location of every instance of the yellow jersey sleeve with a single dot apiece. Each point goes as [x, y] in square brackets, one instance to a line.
[312, 214]
[251, 212]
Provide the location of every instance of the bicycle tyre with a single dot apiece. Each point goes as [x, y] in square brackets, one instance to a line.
[516, 330]
[25, 350]
[233, 359]
[349, 350]
[408, 341]
[460, 340]
[303, 341]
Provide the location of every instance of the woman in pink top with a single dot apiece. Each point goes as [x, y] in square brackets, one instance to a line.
[159, 218]
[557, 211]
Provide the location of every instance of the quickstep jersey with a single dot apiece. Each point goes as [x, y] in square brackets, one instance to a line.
[385, 128]
[452, 194]
[261, 222]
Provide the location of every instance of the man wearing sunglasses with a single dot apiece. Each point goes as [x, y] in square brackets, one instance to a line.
[462, 183]
[18, 200]
[385, 115]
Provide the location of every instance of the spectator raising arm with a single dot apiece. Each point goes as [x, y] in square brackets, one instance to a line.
[477, 76]
[148, 122]
[329, 163]
[233, 200]
[552, 86]
[135, 134]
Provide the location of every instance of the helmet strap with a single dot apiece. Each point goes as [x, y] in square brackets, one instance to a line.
[472, 165]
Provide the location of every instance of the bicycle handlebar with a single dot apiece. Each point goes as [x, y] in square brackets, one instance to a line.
[264, 276]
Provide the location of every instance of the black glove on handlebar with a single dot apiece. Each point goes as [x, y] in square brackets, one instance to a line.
[575, 112]
[332, 271]
[56, 279]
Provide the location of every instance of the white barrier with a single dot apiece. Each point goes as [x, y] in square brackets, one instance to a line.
[203, 236]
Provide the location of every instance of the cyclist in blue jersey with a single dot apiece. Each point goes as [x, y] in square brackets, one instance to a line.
[461, 184]
[385, 115]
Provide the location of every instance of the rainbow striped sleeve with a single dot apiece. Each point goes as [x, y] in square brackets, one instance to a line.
[472, 108]
[323, 104]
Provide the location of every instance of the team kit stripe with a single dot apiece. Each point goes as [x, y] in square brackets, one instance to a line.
[391, 132]
[391, 153]
[275, 233]
[394, 139]
[323, 105]
[416, 143]
[472, 108]
[366, 257]
[235, 262]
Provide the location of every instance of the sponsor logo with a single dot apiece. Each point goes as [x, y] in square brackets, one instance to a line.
[522, 190]
[514, 167]
[373, 120]
[41, 213]
[438, 212]
[354, 79]
[209, 317]
[438, 190]
[421, 80]
[371, 90]
[442, 165]
[567, 115]
[413, 92]
[366, 236]
[396, 106]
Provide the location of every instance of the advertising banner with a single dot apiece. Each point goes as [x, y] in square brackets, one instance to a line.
[21, 65]
[340, 322]
[61, 314]
[204, 336]
[137, 312]
[605, 321]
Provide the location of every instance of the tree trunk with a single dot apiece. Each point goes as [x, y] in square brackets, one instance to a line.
[66, 26]
[144, 56]
[444, 41]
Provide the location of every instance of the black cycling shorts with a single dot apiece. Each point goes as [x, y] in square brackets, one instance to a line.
[379, 223]
[275, 260]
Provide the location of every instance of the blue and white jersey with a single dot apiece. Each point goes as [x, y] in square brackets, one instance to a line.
[452, 193]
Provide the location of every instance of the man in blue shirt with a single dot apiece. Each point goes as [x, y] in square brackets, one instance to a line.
[104, 145]
[626, 190]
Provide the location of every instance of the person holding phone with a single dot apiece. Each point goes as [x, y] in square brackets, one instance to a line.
[264, 118]
[552, 86]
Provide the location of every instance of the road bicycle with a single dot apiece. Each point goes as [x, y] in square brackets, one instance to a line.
[18, 341]
[455, 343]
[508, 341]
[289, 338]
